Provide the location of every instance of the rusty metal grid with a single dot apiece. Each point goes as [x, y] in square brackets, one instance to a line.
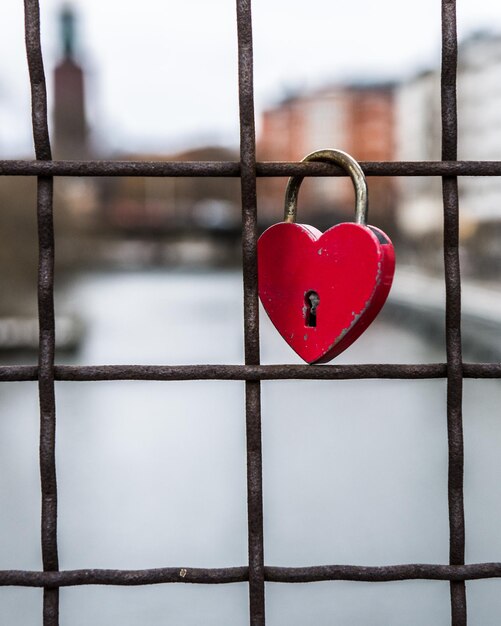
[252, 372]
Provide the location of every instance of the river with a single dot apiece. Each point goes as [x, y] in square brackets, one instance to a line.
[152, 474]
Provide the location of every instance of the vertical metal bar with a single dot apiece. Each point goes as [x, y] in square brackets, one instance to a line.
[453, 310]
[255, 503]
[248, 180]
[251, 313]
[45, 310]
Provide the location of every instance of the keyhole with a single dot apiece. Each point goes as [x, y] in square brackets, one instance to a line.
[312, 300]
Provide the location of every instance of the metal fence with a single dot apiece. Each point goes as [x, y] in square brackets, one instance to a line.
[256, 573]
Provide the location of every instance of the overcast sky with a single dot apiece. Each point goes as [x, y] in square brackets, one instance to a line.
[162, 74]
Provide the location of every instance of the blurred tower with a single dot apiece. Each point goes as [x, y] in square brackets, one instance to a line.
[70, 125]
[78, 196]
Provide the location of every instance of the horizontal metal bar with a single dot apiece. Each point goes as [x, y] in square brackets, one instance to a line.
[70, 578]
[387, 573]
[232, 168]
[88, 373]
[210, 576]
[247, 372]
[18, 373]
[120, 168]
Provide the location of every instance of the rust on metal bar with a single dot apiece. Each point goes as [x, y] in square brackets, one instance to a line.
[45, 310]
[251, 313]
[386, 573]
[228, 575]
[248, 372]
[395, 371]
[70, 578]
[231, 169]
[453, 310]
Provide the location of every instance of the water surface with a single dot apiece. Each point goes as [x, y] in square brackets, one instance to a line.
[152, 474]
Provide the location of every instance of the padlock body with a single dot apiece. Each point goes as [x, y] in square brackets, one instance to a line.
[350, 268]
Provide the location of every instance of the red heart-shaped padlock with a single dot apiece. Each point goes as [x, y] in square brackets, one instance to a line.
[321, 291]
[349, 268]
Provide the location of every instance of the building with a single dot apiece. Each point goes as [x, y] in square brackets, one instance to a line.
[70, 123]
[479, 138]
[79, 196]
[358, 119]
[418, 131]
[479, 109]
[157, 205]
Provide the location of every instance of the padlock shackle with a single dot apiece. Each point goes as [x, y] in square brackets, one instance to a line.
[346, 162]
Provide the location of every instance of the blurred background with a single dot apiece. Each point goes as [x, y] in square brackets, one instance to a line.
[149, 271]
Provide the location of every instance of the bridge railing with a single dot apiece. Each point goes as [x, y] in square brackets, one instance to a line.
[255, 572]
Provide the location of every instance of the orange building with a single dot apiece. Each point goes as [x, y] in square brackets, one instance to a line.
[358, 119]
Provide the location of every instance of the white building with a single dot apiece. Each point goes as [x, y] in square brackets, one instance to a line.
[479, 123]
[479, 138]
[418, 139]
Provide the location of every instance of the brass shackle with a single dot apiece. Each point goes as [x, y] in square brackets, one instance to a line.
[346, 162]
